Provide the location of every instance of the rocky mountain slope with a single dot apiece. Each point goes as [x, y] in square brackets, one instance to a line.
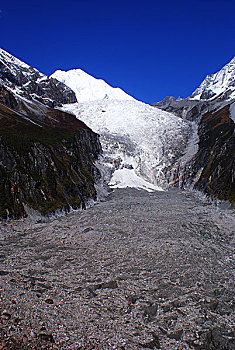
[28, 82]
[216, 91]
[47, 157]
[211, 106]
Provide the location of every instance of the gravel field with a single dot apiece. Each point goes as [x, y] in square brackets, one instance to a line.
[138, 271]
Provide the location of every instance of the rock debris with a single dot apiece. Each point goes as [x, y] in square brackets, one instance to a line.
[138, 271]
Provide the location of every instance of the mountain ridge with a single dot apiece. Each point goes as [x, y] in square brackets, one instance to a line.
[26, 81]
[217, 83]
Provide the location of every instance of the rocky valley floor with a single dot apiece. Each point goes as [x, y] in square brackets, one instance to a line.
[138, 271]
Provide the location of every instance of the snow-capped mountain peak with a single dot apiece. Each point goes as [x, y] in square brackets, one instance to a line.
[88, 88]
[219, 83]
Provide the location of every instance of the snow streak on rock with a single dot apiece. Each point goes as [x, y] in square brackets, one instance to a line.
[215, 84]
[26, 81]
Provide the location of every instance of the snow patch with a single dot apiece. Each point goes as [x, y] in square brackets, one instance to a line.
[232, 111]
[123, 178]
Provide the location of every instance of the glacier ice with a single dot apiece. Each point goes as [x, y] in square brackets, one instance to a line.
[140, 143]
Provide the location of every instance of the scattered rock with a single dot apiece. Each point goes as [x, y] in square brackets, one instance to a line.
[92, 293]
[49, 301]
[132, 299]
[44, 286]
[150, 311]
[117, 292]
[6, 315]
[175, 334]
[33, 334]
[4, 273]
[88, 229]
[212, 305]
[167, 308]
[213, 339]
[110, 284]
[46, 337]
[153, 344]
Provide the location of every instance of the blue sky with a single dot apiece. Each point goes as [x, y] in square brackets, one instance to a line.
[151, 49]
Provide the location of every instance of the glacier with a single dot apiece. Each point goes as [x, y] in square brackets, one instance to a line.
[140, 143]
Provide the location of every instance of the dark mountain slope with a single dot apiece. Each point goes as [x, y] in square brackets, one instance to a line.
[47, 158]
[216, 155]
[212, 170]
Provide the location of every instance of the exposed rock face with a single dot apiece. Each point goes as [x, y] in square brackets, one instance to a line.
[212, 169]
[47, 158]
[184, 108]
[216, 155]
[191, 109]
[30, 83]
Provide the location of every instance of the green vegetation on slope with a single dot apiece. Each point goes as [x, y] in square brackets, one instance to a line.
[45, 167]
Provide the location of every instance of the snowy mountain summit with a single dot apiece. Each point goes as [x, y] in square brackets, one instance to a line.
[214, 85]
[88, 88]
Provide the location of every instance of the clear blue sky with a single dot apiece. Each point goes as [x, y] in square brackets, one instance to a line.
[151, 49]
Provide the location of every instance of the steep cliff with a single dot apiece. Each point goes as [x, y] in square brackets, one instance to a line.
[46, 158]
[215, 159]
[212, 169]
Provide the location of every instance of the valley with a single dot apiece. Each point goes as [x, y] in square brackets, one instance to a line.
[148, 262]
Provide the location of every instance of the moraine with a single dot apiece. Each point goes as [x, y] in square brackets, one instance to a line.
[140, 270]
